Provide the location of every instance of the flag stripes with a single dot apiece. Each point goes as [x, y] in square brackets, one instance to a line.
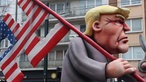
[26, 5]
[14, 26]
[27, 32]
[47, 44]
[11, 72]
[22, 34]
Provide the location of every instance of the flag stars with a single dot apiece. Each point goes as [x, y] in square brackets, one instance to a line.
[5, 32]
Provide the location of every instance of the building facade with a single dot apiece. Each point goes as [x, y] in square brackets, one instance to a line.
[73, 11]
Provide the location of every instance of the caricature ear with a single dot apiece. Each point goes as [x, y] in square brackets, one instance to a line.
[96, 26]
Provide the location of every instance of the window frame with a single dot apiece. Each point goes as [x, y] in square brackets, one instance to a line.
[130, 3]
[132, 53]
[56, 7]
[130, 25]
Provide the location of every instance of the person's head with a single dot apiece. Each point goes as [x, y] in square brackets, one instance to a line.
[106, 24]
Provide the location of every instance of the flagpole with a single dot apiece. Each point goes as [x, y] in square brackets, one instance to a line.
[16, 11]
[46, 57]
[67, 24]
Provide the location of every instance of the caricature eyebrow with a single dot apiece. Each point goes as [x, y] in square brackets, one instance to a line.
[116, 20]
[120, 16]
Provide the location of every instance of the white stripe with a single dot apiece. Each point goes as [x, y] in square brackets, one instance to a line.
[14, 74]
[33, 11]
[28, 6]
[43, 42]
[8, 67]
[13, 26]
[8, 20]
[30, 40]
[22, 4]
[9, 54]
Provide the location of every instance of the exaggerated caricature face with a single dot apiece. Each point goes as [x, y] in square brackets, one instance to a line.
[109, 32]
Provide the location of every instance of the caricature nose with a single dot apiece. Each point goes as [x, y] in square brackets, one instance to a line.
[126, 27]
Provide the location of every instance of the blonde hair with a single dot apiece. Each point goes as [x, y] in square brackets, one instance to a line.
[94, 14]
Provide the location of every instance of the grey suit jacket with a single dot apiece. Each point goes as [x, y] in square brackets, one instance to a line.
[83, 63]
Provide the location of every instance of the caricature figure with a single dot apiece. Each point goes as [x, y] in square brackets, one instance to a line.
[83, 63]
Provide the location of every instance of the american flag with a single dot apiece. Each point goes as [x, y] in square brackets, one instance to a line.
[23, 35]
[26, 39]
[5, 32]
[12, 72]
[37, 49]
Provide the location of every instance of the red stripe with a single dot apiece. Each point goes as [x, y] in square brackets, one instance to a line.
[11, 70]
[20, 1]
[32, 44]
[11, 23]
[26, 4]
[6, 17]
[18, 78]
[50, 45]
[30, 9]
[15, 29]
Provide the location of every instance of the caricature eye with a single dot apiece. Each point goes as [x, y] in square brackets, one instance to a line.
[118, 22]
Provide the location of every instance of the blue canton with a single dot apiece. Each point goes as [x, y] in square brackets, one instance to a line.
[5, 32]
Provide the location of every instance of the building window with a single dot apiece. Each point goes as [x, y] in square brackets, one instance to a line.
[56, 55]
[99, 2]
[5, 43]
[23, 58]
[88, 4]
[52, 6]
[82, 28]
[38, 32]
[3, 2]
[58, 7]
[85, 5]
[135, 24]
[2, 44]
[130, 2]
[51, 56]
[59, 55]
[134, 53]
